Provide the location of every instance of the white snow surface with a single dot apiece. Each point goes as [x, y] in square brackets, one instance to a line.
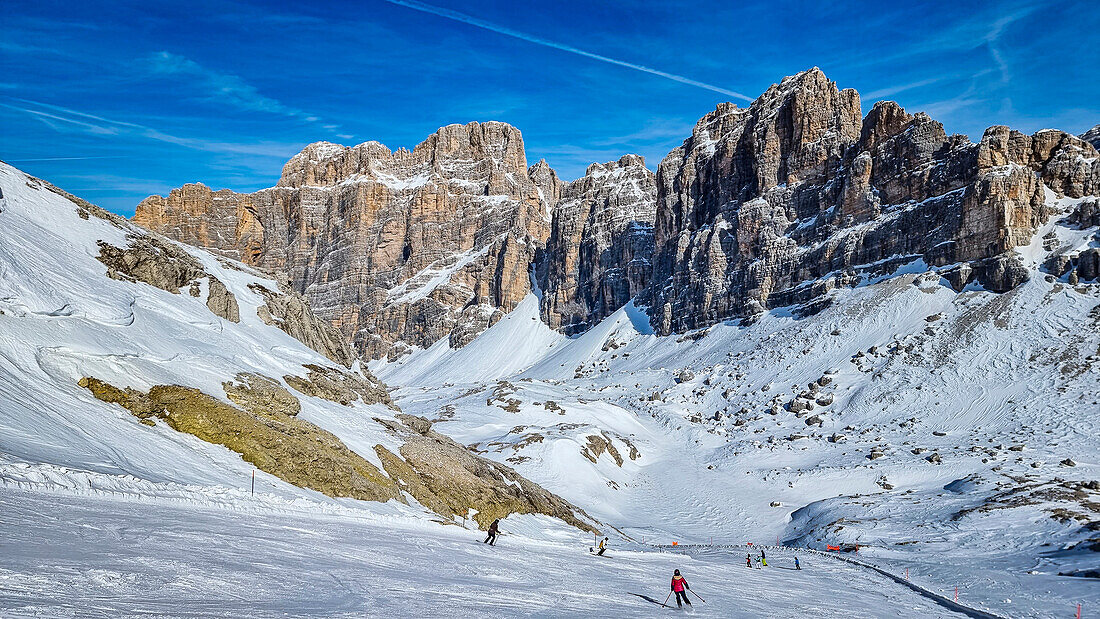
[101, 516]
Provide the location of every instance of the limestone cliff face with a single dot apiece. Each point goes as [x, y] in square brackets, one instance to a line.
[601, 243]
[394, 248]
[776, 204]
[768, 206]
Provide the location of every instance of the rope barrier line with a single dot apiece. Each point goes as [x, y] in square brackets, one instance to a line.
[944, 601]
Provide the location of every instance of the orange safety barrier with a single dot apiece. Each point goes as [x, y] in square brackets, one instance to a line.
[675, 543]
[836, 548]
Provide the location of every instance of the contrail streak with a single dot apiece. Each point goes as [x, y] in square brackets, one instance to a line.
[473, 21]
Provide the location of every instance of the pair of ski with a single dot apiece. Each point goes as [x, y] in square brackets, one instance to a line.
[660, 603]
[665, 604]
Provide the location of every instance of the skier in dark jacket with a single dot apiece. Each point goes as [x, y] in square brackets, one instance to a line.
[493, 530]
[748, 561]
[680, 587]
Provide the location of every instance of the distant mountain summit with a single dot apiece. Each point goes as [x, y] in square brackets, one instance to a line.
[777, 204]
[395, 248]
[768, 206]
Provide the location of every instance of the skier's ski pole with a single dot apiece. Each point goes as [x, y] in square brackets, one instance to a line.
[666, 598]
[698, 596]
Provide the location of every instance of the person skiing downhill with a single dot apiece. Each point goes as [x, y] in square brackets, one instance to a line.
[763, 559]
[748, 561]
[796, 565]
[494, 528]
[680, 587]
[603, 547]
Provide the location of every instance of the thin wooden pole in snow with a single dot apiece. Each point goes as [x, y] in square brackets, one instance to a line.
[253, 482]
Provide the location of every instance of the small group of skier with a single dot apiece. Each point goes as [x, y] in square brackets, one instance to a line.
[763, 560]
[679, 584]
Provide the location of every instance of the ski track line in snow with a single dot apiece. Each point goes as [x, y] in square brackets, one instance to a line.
[939, 599]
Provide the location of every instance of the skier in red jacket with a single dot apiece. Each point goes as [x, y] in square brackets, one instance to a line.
[680, 587]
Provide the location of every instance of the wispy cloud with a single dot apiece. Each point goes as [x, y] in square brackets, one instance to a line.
[893, 90]
[66, 158]
[993, 35]
[497, 28]
[653, 130]
[224, 87]
[64, 119]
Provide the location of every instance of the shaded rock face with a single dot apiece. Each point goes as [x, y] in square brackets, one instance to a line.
[450, 480]
[601, 243]
[394, 248]
[222, 302]
[777, 204]
[291, 312]
[157, 263]
[1092, 136]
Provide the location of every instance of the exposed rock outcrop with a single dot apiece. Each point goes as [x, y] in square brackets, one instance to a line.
[265, 430]
[601, 243]
[261, 395]
[276, 442]
[291, 312]
[342, 387]
[394, 248]
[222, 302]
[151, 261]
[450, 480]
[777, 204]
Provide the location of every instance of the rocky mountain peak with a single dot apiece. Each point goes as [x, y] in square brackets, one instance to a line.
[546, 180]
[885, 120]
[777, 204]
[490, 150]
[1092, 136]
[395, 248]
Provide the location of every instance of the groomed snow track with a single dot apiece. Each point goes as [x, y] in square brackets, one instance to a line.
[947, 603]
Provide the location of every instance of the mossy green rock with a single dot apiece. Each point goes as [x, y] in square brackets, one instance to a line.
[293, 450]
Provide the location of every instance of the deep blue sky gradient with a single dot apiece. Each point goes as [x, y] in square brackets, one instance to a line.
[115, 101]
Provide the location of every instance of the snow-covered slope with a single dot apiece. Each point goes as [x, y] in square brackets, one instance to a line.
[953, 434]
[62, 319]
[688, 438]
[195, 560]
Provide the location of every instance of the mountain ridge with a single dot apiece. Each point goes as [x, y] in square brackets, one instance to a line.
[770, 205]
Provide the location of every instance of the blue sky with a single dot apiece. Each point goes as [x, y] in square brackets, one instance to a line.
[116, 101]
